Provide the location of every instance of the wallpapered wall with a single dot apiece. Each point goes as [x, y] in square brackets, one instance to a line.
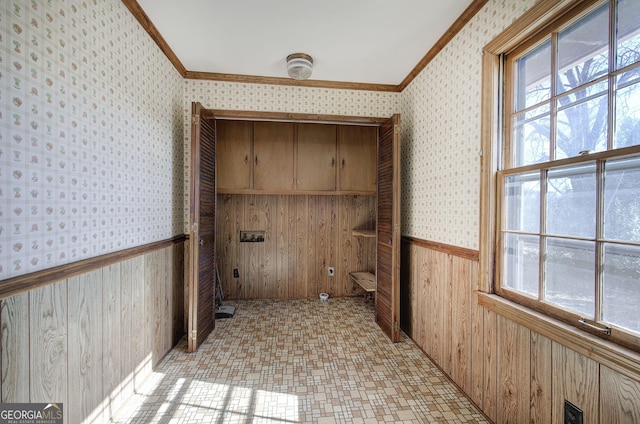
[90, 134]
[276, 98]
[94, 131]
[441, 134]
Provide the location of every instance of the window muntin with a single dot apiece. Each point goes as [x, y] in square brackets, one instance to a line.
[569, 221]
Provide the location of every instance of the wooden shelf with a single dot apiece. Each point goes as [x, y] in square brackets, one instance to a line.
[366, 280]
[363, 233]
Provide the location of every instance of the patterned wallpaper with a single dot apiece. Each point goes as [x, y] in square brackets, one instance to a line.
[90, 134]
[276, 98]
[441, 134]
[94, 129]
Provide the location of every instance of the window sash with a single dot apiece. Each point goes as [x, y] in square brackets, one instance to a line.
[549, 107]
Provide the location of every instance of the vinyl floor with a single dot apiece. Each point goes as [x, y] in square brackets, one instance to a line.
[299, 361]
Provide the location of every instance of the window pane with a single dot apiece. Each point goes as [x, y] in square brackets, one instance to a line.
[522, 207]
[533, 77]
[582, 121]
[571, 201]
[583, 50]
[621, 282]
[622, 199]
[628, 32]
[570, 275]
[628, 109]
[521, 263]
[531, 134]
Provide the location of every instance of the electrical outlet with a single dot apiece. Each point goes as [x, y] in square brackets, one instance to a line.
[572, 414]
[236, 274]
[331, 271]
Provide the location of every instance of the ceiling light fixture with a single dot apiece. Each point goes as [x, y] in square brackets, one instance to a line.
[299, 66]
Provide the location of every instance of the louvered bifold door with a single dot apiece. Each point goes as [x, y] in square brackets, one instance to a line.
[388, 229]
[201, 260]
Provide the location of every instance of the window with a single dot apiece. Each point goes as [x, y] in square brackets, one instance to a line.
[568, 227]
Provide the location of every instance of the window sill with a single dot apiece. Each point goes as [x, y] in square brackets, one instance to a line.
[606, 353]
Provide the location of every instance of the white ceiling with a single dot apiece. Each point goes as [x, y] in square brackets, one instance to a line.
[358, 41]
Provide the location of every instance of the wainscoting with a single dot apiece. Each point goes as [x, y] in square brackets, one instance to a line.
[514, 374]
[304, 236]
[90, 340]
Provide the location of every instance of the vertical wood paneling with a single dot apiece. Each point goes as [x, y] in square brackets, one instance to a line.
[126, 325]
[477, 349]
[345, 247]
[301, 282]
[253, 252]
[311, 253]
[424, 304]
[490, 388]
[292, 248]
[512, 373]
[85, 349]
[148, 321]
[283, 244]
[619, 398]
[111, 330]
[323, 234]
[438, 276]
[304, 235]
[449, 298]
[268, 224]
[87, 341]
[333, 245]
[141, 355]
[48, 344]
[540, 379]
[514, 376]
[575, 378]
[158, 297]
[14, 322]
[428, 302]
[463, 274]
[239, 285]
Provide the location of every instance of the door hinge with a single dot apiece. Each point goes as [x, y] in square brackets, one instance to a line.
[396, 326]
[194, 335]
[396, 129]
[194, 228]
[195, 119]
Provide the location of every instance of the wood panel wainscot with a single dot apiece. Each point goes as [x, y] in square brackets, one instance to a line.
[304, 236]
[91, 339]
[515, 367]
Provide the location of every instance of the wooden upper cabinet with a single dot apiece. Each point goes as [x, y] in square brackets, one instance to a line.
[233, 147]
[287, 157]
[317, 157]
[273, 144]
[357, 158]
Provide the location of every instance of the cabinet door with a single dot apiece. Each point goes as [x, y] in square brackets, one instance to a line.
[234, 154]
[357, 158]
[316, 157]
[273, 156]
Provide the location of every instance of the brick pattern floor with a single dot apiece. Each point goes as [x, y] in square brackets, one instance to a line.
[299, 361]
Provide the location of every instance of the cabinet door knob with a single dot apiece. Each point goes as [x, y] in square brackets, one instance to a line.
[201, 242]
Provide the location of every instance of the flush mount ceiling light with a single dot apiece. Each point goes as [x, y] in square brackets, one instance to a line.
[299, 66]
